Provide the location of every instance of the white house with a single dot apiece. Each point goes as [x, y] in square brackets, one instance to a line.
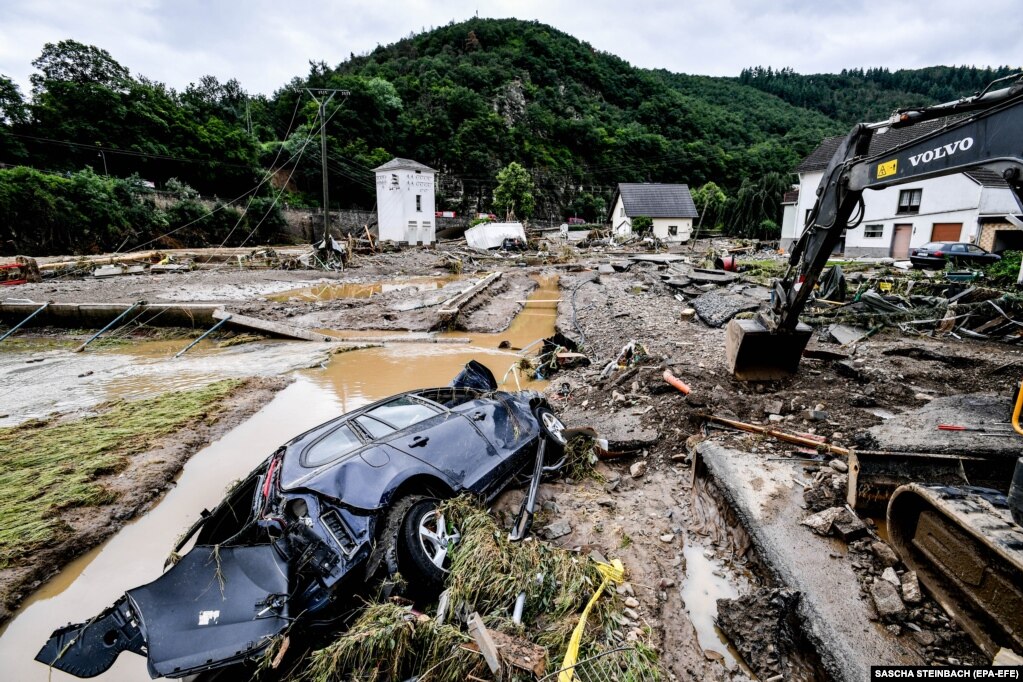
[670, 207]
[968, 207]
[405, 202]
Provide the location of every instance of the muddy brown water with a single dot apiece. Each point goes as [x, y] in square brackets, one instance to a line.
[136, 553]
[705, 582]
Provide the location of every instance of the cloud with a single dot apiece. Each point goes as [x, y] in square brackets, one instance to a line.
[265, 43]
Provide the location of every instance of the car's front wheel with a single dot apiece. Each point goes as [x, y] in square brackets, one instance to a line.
[554, 430]
[425, 544]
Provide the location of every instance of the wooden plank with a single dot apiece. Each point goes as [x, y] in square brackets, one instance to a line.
[478, 631]
[101, 260]
[271, 328]
[453, 305]
[402, 339]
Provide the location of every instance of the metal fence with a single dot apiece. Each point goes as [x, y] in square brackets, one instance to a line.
[616, 665]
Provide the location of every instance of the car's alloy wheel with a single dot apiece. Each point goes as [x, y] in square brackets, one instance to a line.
[552, 426]
[424, 547]
[435, 539]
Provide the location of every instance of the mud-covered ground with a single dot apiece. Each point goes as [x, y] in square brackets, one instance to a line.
[138, 487]
[646, 506]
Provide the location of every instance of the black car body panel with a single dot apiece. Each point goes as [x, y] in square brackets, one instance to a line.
[215, 604]
[301, 532]
[935, 255]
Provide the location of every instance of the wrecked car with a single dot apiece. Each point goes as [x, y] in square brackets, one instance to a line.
[347, 504]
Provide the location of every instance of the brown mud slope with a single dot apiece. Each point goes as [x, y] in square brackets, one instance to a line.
[138, 488]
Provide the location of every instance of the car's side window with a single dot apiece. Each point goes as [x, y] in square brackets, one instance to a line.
[957, 248]
[974, 249]
[402, 412]
[336, 443]
[375, 428]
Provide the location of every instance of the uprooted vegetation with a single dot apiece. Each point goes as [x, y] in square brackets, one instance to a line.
[392, 641]
[54, 465]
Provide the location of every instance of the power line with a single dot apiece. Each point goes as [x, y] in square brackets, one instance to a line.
[130, 152]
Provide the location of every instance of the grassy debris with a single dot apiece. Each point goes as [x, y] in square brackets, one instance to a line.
[239, 339]
[389, 642]
[49, 466]
[581, 459]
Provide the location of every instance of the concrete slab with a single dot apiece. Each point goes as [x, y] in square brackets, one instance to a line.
[835, 618]
[917, 430]
[845, 334]
[716, 308]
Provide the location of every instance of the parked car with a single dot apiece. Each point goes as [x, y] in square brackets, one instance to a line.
[336, 509]
[934, 255]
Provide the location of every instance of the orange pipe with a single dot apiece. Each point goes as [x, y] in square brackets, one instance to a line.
[676, 382]
[1016, 411]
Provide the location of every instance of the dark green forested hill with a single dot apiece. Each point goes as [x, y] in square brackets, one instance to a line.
[466, 99]
[858, 95]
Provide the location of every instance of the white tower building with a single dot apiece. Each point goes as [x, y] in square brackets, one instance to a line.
[405, 202]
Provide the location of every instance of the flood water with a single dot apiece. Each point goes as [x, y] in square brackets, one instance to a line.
[704, 584]
[135, 555]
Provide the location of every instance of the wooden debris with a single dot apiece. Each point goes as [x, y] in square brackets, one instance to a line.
[485, 642]
[453, 305]
[271, 328]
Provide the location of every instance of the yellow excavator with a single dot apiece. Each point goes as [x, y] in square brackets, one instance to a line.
[965, 543]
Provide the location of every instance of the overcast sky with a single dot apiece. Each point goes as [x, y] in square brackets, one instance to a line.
[264, 43]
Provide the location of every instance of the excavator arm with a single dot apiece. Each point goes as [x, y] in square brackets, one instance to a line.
[984, 131]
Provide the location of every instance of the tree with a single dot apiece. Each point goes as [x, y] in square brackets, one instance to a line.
[70, 61]
[642, 224]
[13, 114]
[12, 105]
[513, 195]
[709, 198]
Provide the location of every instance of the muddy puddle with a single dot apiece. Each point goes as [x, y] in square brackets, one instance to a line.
[346, 381]
[331, 292]
[705, 582]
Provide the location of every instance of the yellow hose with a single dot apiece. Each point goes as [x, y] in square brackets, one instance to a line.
[613, 573]
[1016, 411]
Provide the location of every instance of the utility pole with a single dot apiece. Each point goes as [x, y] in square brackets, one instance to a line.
[325, 96]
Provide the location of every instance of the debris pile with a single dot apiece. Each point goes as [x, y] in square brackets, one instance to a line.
[764, 627]
[392, 640]
[930, 309]
[890, 588]
[895, 593]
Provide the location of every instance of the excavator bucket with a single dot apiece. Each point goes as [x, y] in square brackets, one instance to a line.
[755, 353]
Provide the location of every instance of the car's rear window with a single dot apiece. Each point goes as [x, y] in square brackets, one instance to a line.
[375, 428]
[335, 444]
[402, 412]
[932, 246]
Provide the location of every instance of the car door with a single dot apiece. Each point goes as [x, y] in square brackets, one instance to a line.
[442, 438]
[957, 254]
[506, 424]
[980, 256]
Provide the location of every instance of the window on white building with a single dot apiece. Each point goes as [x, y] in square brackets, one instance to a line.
[873, 231]
[419, 202]
[909, 200]
[672, 230]
[394, 180]
[621, 212]
[413, 225]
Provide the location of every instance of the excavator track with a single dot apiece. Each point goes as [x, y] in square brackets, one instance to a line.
[968, 554]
